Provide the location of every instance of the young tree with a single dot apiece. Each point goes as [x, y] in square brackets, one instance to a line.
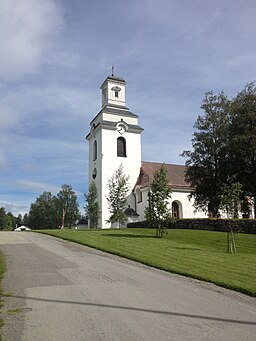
[92, 208]
[68, 206]
[231, 203]
[159, 193]
[118, 190]
[231, 199]
[208, 161]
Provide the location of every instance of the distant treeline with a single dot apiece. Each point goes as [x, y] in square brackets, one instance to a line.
[8, 221]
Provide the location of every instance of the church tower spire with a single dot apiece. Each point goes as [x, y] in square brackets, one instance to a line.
[114, 140]
[113, 91]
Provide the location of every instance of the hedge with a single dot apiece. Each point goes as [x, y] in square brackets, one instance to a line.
[209, 224]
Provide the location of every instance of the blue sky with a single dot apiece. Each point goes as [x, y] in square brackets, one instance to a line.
[55, 54]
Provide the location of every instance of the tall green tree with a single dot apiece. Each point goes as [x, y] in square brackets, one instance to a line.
[208, 161]
[26, 219]
[2, 217]
[68, 206]
[243, 140]
[158, 198]
[7, 220]
[92, 207]
[117, 194]
[19, 220]
[10, 221]
[43, 212]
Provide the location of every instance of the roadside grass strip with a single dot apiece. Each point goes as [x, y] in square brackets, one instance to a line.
[198, 254]
[2, 269]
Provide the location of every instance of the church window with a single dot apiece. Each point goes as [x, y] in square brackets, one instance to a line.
[94, 173]
[139, 195]
[116, 90]
[105, 94]
[121, 147]
[175, 210]
[94, 150]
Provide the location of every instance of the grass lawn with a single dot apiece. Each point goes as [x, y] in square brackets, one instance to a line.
[197, 254]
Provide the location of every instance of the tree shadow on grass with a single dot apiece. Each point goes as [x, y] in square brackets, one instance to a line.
[127, 235]
[186, 248]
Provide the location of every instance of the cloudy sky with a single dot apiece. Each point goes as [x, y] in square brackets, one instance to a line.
[55, 54]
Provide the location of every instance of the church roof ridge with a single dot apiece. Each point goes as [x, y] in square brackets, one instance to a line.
[116, 78]
[122, 111]
[176, 175]
[162, 163]
[116, 106]
[113, 124]
[113, 78]
[119, 110]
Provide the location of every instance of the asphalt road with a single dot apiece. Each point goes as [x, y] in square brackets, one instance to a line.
[63, 291]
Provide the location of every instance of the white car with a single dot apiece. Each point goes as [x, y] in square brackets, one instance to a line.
[21, 228]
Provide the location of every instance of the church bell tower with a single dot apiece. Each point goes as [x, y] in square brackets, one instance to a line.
[114, 140]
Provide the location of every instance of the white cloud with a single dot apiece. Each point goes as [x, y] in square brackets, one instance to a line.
[28, 102]
[15, 208]
[60, 111]
[36, 187]
[27, 31]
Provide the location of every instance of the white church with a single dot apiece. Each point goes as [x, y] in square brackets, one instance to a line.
[115, 139]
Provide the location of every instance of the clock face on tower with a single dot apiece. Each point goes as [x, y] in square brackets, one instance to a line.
[121, 128]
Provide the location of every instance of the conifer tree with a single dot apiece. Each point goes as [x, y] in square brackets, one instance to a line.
[92, 208]
[159, 193]
[118, 190]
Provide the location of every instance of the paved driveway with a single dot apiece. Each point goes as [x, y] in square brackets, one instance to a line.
[63, 291]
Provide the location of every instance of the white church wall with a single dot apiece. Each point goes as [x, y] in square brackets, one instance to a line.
[97, 119]
[115, 118]
[110, 163]
[142, 204]
[110, 94]
[186, 208]
[95, 165]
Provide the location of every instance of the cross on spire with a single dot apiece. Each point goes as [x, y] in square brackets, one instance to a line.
[112, 70]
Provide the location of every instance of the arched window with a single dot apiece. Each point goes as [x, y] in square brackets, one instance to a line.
[139, 195]
[175, 210]
[94, 173]
[121, 147]
[94, 150]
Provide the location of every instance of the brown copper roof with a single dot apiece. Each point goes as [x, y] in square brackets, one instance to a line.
[176, 175]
